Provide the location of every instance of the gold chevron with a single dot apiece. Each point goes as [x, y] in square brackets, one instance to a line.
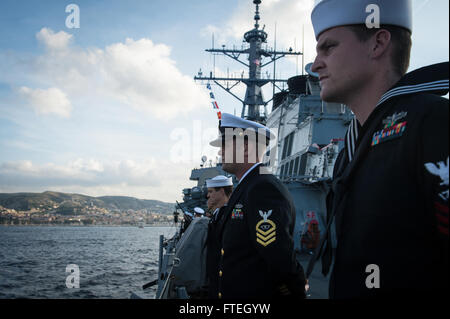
[265, 243]
[265, 238]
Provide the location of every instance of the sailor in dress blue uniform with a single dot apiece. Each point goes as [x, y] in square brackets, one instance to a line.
[257, 258]
[389, 196]
[219, 191]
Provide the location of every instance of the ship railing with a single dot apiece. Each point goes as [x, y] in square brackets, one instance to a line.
[307, 179]
[166, 261]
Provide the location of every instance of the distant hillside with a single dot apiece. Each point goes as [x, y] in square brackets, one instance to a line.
[62, 202]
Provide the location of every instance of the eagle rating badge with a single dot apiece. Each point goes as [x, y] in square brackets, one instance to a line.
[440, 169]
[265, 229]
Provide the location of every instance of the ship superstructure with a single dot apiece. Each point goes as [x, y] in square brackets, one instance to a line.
[310, 136]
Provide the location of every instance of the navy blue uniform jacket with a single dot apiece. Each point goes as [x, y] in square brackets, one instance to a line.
[256, 258]
[390, 196]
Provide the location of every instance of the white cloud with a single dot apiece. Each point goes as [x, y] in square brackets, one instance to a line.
[142, 75]
[149, 179]
[81, 172]
[52, 40]
[134, 73]
[50, 101]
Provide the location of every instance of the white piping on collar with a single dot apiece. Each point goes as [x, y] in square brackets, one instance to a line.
[407, 89]
[352, 136]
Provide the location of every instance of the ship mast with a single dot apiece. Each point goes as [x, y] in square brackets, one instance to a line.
[253, 101]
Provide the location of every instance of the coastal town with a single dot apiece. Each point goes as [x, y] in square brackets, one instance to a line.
[52, 208]
[89, 216]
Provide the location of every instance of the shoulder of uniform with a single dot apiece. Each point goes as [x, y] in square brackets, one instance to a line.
[422, 101]
[264, 183]
[422, 104]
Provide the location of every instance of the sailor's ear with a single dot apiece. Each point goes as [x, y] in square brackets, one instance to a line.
[380, 43]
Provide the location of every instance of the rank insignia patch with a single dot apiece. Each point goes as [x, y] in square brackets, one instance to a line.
[265, 229]
[391, 129]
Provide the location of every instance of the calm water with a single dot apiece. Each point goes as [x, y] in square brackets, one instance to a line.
[113, 261]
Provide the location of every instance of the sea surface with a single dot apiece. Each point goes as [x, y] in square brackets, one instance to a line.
[112, 261]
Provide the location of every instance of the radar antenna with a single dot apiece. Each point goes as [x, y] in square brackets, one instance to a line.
[253, 101]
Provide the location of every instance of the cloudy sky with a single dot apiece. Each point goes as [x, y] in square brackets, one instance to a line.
[111, 107]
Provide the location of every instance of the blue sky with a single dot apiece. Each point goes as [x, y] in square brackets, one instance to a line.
[111, 108]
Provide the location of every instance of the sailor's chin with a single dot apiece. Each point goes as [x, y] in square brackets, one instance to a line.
[324, 94]
[329, 96]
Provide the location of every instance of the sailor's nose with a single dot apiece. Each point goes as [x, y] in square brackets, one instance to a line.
[317, 65]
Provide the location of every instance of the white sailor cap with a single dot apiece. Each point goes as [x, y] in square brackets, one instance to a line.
[219, 181]
[232, 121]
[189, 214]
[198, 210]
[333, 13]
